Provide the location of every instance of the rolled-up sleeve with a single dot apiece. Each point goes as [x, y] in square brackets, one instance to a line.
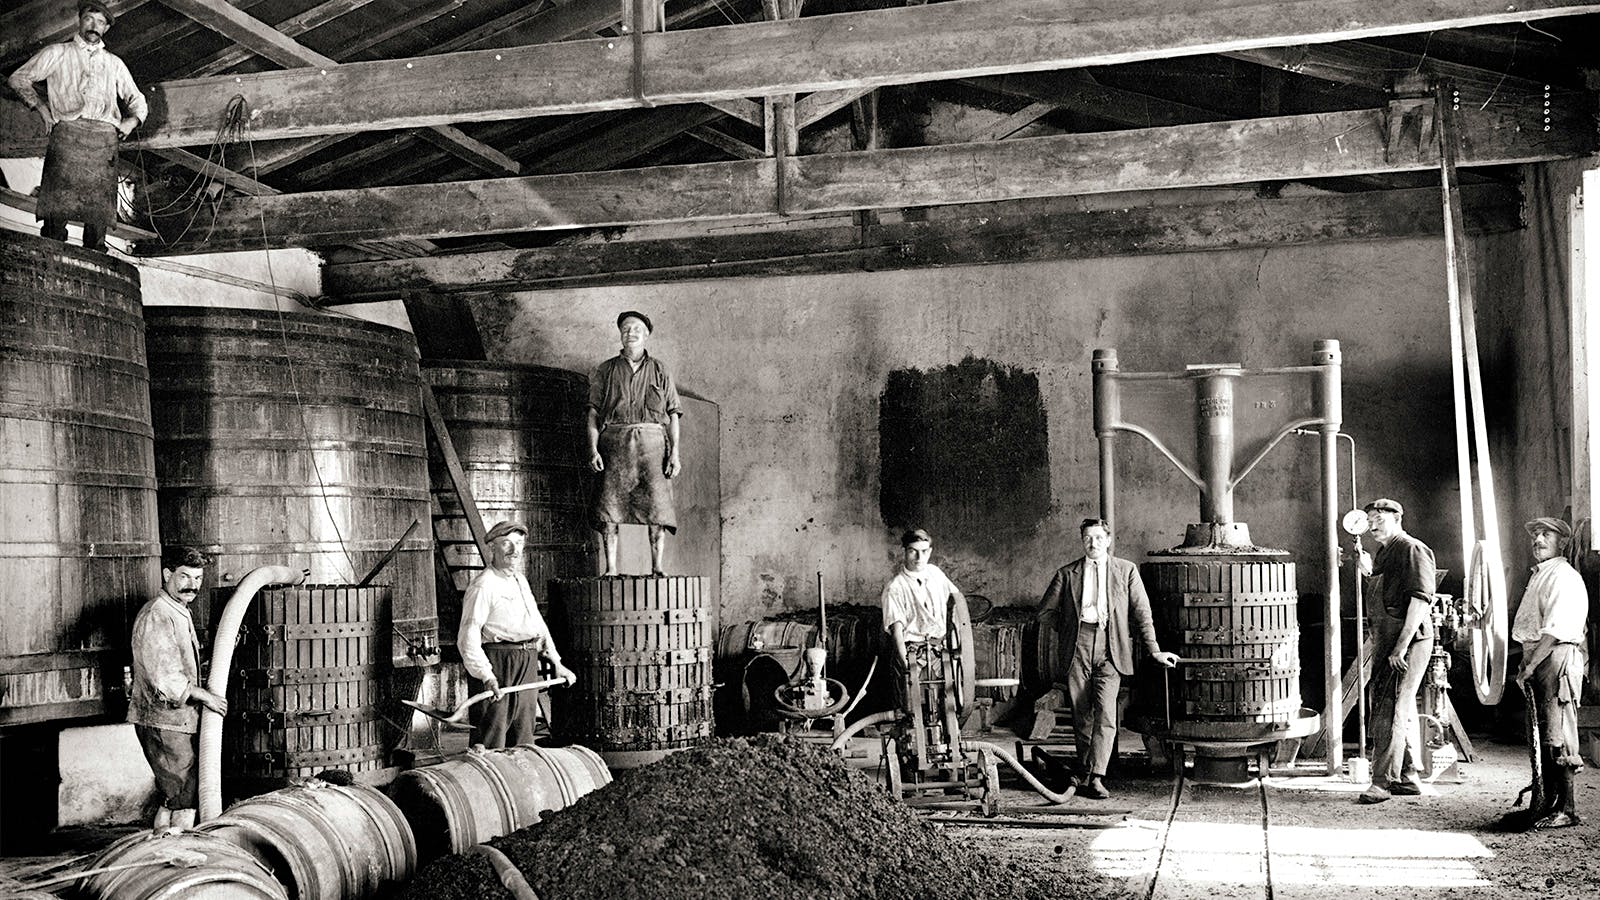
[130, 95]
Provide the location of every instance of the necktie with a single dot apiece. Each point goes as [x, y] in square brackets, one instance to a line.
[1091, 593]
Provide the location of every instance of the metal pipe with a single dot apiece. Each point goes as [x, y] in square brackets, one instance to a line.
[1107, 410]
[858, 727]
[1214, 446]
[1333, 721]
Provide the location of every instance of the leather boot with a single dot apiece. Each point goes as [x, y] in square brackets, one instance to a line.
[1563, 810]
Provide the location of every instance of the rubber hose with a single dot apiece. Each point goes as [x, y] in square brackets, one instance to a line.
[217, 682]
[859, 726]
[511, 877]
[1027, 776]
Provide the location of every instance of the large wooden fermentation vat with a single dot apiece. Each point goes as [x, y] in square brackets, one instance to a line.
[519, 432]
[294, 439]
[78, 545]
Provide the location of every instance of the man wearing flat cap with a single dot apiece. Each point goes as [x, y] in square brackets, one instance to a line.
[84, 85]
[1549, 625]
[1405, 586]
[633, 442]
[502, 638]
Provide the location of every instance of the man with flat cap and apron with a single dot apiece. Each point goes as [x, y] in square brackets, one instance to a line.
[1550, 627]
[633, 442]
[87, 91]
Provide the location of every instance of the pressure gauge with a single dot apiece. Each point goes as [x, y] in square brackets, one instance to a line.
[1355, 522]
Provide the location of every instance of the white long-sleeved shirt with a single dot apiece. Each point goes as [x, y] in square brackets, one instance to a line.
[82, 81]
[498, 608]
[1554, 603]
[919, 602]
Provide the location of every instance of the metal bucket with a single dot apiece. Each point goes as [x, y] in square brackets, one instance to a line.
[223, 870]
[642, 649]
[487, 793]
[323, 841]
[78, 542]
[294, 439]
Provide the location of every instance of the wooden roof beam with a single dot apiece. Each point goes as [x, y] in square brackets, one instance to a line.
[958, 39]
[1282, 148]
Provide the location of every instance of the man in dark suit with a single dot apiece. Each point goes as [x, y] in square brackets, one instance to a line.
[1094, 604]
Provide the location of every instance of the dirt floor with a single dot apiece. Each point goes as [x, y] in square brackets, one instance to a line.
[1296, 838]
[1314, 841]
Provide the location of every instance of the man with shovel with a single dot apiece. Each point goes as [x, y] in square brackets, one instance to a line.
[502, 638]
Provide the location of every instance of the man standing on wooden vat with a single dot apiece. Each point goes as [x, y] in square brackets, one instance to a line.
[633, 442]
[167, 692]
[502, 638]
[1094, 604]
[1549, 625]
[1405, 639]
[916, 607]
[84, 83]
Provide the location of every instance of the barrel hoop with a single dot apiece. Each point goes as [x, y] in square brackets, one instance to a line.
[1236, 636]
[341, 629]
[285, 840]
[641, 657]
[509, 820]
[1276, 708]
[72, 357]
[75, 476]
[380, 544]
[391, 828]
[1272, 598]
[635, 697]
[1234, 673]
[299, 759]
[309, 717]
[457, 810]
[349, 878]
[323, 675]
[93, 549]
[105, 421]
[333, 489]
[639, 617]
[633, 734]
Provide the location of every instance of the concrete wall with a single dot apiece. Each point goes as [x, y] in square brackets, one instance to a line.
[798, 365]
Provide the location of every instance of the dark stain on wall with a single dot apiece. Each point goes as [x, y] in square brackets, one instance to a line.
[964, 452]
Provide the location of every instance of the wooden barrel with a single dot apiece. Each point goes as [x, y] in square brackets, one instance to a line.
[487, 793]
[78, 545]
[997, 647]
[306, 688]
[520, 432]
[642, 649]
[324, 841]
[294, 439]
[1235, 608]
[205, 867]
[765, 636]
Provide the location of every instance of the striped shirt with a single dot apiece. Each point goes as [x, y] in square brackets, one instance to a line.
[82, 81]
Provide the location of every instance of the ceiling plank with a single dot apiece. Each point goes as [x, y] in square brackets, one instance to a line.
[957, 39]
[1372, 66]
[818, 105]
[1006, 126]
[996, 237]
[318, 15]
[747, 111]
[1282, 148]
[264, 40]
[1079, 92]
[732, 146]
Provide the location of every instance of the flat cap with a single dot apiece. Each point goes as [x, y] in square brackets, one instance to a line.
[1384, 504]
[913, 536]
[501, 529]
[635, 314]
[96, 6]
[1555, 526]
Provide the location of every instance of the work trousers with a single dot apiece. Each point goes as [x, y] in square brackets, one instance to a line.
[511, 719]
[1092, 685]
[1396, 731]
